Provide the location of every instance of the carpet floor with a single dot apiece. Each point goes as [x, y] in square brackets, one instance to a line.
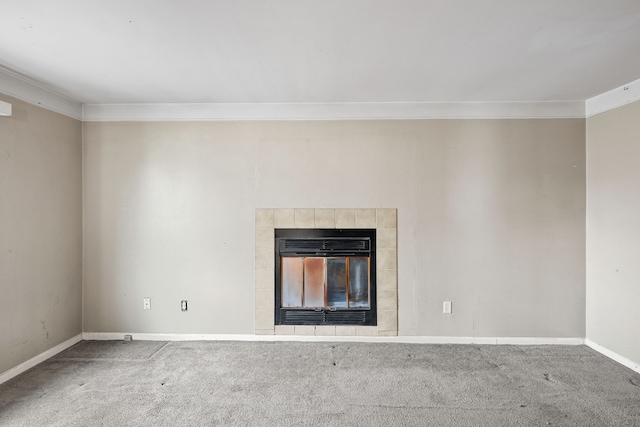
[205, 383]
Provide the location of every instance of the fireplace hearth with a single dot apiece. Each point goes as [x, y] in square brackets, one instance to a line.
[325, 277]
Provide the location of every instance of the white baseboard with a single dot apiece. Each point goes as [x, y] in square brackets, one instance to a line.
[614, 356]
[24, 366]
[170, 337]
[398, 339]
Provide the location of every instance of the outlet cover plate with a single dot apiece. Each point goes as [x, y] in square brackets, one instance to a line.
[446, 307]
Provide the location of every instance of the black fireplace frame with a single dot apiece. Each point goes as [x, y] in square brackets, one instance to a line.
[336, 242]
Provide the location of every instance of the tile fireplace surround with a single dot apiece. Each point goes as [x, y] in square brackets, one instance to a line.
[385, 223]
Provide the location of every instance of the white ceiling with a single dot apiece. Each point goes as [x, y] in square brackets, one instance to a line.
[322, 51]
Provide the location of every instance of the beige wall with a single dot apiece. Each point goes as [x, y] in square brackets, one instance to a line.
[613, 230]
[40, 231]
[491, 215]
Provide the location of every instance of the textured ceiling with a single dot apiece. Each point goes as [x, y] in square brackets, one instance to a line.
[292, 51]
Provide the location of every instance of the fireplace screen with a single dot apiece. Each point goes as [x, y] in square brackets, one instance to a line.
[325, 276]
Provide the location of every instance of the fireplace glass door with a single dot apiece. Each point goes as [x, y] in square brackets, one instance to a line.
[325, 282]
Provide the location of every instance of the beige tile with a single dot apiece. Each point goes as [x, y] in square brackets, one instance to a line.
[305, 330]
[265, 218]
[265, 278]
[304, 218]
[345, 330]
[345, 218]
[325, 218]
[387, 300]
[386, 238]
[265, 299]
[324, 330]
[285, 218]
[265, 258]
[366, 331]
[365, 218]
[387, 333]
[264, 319]
[387, 320]
[285, 330]
[386, 280]
[264, 331]
[386, 259]
[387, 218]
[264, 237]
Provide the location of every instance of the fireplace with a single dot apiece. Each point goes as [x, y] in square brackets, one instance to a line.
[325, 277]
[385, 268]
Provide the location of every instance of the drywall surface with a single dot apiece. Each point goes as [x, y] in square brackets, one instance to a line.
[613, 230]
[490, 216]
[40, 231]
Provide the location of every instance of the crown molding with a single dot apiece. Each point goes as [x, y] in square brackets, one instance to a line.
[334, 111]
[615, 98]
[29, 90]
[24, 88]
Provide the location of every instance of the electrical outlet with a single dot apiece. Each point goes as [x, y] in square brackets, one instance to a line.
[446, 307]
[183, 305]
[146, 303]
